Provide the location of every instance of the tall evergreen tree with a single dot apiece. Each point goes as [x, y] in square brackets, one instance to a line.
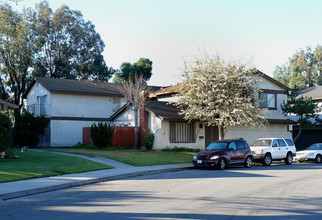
[143, 67]
[17, 52]
[69, 46]
[302, 70]
[40, 42]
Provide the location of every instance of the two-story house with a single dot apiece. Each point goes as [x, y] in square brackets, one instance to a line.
[71, 105]
[171, 130]
[309, 136]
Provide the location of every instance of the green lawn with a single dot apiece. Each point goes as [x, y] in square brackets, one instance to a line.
[135, 157]
[33, 164]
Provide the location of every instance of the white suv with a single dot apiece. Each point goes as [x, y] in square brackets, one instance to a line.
[268, 149]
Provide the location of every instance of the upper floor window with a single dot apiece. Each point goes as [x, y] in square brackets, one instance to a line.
[116, 104]
[267, 100]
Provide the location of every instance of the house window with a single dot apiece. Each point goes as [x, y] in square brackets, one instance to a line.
[182, 132]
[43, 105]
[116, 104]
[267, 100]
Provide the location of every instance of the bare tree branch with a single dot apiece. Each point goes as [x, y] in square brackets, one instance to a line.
[134, 91]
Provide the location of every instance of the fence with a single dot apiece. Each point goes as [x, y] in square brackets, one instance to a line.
[122, 136]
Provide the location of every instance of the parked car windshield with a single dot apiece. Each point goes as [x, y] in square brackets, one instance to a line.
[262, 143]
[314, 147]
[217, 146]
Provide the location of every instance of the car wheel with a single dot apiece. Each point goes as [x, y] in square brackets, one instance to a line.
[195, 166]
[267, 160]
[289, 159]
[248, 162]
[222, 164]
[318, 158]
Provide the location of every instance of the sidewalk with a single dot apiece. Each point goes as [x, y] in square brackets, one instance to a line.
[21, 188]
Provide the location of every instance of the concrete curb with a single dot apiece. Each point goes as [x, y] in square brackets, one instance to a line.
[28, 192]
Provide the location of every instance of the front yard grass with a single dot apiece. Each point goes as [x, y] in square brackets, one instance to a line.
[135, 157]
[31, 164]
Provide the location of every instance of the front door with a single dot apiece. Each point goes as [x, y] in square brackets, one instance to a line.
[211, 133]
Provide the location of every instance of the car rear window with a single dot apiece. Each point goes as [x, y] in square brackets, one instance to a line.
[281, 142]
[240, 145]
[289, 142]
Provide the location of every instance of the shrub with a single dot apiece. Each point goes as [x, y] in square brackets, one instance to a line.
[85, 146]
[5, 132]
[148, 141]
[101, 134]
[28, 127]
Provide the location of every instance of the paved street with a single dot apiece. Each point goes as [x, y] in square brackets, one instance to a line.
[279, 191]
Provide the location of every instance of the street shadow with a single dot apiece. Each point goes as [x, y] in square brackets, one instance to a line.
[249, 207]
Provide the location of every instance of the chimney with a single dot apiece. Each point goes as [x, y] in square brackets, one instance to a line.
[143, 116]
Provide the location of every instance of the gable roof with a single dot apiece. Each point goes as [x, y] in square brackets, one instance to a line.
[70, 86]
[164, 110]
[314, 92]
[272, 80]
[174, 89]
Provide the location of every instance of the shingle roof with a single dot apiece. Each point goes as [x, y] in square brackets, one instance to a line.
[164, 110]
[70, 86]
[314, 92]
[166, 90]
[280, 121]
[174, 89]
[79, 87]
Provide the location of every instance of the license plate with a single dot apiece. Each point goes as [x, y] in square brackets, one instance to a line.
[199, 161]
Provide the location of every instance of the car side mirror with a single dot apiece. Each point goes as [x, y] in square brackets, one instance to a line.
[274, 145]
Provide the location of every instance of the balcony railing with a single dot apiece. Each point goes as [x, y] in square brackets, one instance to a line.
[39, 109]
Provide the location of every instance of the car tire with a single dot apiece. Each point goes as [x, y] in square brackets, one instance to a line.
[318, 158]
[289, 159]
[267, 160]
[222, 164]
[248, 162]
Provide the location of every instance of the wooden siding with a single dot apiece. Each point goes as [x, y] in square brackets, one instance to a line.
[122, 136]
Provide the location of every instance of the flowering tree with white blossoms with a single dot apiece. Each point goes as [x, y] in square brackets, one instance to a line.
[220, 93]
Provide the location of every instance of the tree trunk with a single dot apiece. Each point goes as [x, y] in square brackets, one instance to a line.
[136, 133]
[298, 134]
[221, 132]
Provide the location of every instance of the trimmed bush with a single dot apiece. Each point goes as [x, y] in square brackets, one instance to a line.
[148, 141]
[28, 127]
[101, 134]
[5, 132]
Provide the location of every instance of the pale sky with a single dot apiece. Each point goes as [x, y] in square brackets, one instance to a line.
[166, 31]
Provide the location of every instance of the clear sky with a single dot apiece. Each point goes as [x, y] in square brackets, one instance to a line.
[166, 31]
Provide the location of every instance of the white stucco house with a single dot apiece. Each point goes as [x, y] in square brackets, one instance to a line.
[71, 105]
[171, 130]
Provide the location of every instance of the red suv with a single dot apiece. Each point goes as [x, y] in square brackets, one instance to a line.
[223, 153]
